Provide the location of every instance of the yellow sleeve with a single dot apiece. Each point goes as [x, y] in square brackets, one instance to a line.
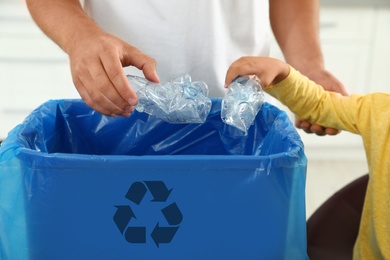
[367, 115]
[311, 102]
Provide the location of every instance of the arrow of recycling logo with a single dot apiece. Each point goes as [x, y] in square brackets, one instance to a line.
[137, 234]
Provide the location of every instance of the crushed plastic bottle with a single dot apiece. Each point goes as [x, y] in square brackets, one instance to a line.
[242, 102]
[179, 101]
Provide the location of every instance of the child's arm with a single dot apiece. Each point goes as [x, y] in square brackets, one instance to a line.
[303, 97]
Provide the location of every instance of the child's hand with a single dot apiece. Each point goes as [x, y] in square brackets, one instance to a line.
[268, 70]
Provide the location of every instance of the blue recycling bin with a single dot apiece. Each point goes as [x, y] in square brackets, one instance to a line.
[78, 185]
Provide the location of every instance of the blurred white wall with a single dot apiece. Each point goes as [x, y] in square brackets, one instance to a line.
[32, 68]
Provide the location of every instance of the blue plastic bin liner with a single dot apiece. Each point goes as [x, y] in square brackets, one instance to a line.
[78, 185]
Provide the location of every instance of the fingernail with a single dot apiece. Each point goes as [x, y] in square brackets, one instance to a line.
[158, 79]
[126, 114]
[132, 101]
[129, 109]
[114, 115]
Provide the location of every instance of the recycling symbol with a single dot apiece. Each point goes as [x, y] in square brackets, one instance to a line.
[125, 217]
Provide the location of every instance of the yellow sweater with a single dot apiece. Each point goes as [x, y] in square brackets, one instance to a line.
[366, 115]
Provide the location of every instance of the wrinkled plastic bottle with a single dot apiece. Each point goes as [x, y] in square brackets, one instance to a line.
[179, 101]
[242, 102]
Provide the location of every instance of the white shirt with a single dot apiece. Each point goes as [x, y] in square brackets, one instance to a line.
[198, 37]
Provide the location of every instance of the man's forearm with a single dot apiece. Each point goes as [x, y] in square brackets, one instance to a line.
[62, 21]
[295, 24]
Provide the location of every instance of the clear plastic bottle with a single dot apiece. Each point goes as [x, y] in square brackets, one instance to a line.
[242, 102]
[179, 101]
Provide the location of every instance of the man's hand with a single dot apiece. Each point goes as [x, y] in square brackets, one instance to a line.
[96, 57]
[96, 65]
